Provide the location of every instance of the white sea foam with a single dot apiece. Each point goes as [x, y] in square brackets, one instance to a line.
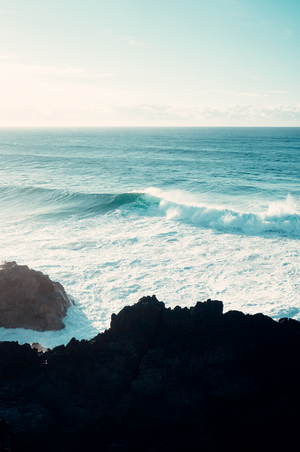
[228, 231]
[282, 208]
[109, 261]
[281, 216]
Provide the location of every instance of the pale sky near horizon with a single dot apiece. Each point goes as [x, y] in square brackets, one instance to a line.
[149, 63]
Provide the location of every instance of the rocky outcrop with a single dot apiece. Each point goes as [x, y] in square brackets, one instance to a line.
[29, 299]
[159, 380]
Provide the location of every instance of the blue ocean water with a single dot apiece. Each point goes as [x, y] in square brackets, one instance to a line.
[185, 213]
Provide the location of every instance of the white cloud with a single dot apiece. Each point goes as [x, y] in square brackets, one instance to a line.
[254, 77]
[131, 41]
[151, 115]
[278, 92]
[249, 94]
[19, 69]
[191, 92]
[236, 93]
[255, 114]
[227, 115]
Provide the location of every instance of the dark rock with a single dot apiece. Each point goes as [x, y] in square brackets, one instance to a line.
[159, 380]
[29, 299]
[38, 347]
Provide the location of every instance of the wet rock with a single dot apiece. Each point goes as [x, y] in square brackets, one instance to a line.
[29, 299]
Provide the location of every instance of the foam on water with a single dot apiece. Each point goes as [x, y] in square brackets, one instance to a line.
[187, 214]
[281, 216]
[108, 261]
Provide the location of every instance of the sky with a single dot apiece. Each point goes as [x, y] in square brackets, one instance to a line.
[149, 63]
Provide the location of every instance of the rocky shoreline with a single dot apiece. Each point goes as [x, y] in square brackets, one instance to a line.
[157, 380]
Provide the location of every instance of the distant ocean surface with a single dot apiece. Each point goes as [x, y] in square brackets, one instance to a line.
[184, 213]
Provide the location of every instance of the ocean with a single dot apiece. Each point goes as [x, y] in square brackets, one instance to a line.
[186, 214]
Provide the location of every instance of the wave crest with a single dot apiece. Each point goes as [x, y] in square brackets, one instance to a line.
[47, 203]
[280, 217]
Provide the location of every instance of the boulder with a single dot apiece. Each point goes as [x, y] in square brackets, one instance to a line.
[29, 299]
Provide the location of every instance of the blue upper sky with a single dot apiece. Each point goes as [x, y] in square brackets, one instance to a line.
[138, 62]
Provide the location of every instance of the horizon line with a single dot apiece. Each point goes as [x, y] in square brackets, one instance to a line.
[146, 127]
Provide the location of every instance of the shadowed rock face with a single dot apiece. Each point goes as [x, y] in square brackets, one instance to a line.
[29, 299]
[159, 380]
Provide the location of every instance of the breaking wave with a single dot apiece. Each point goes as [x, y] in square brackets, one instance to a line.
[281, 217]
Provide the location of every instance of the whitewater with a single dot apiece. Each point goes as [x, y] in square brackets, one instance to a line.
[186, 214]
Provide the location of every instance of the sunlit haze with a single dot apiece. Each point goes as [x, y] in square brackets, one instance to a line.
[149, 63]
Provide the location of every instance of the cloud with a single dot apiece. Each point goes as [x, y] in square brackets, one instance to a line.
[254, 77]
[249, 94]
[278, 92]
[253, 114]
[236, 93]
[131, 41]
[228, 115]
[191, 92]
[150, 115]
[38, 70]
[99, 112]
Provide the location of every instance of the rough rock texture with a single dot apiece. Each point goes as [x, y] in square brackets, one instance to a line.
[29, 299]
[159, 380]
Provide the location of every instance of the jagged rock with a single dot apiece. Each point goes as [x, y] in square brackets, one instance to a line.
[39, 347]
[159, 380]
[29, 299]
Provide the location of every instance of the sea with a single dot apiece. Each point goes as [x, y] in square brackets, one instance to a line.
[187, 214]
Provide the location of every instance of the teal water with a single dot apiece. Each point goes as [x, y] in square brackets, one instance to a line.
[187, 213]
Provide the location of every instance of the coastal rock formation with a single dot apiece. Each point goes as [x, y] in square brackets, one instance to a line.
[29, 299]
[159, 380]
